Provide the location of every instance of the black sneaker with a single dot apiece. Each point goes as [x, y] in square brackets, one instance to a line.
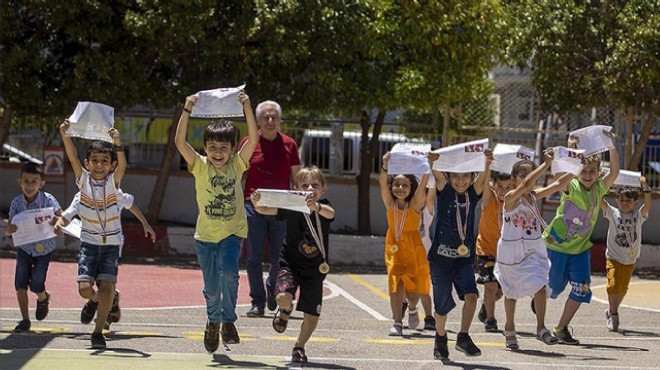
[230, 334]
[533, 307]
[429, 323]
[564, 336]
[212, 337]
[490, 325]
[465, 344]
[98, 341]
[23, 325]
[298, 355]
[88, 312]
[115, 312]
[440, 349]
[482, 316]
[256, 311]
[271, 302]
[42, 308]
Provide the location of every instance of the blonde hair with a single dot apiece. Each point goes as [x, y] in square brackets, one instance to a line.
[309, 171]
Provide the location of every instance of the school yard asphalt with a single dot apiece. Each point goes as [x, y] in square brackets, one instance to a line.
[163, 319]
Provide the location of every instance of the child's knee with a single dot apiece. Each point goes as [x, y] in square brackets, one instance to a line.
[470, 298]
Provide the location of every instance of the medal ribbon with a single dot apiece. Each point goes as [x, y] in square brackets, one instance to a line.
[317, 234]
[103, 222]
[462, 228]
[398, 228]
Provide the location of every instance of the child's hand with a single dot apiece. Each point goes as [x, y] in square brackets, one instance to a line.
[190, 102]
[488, 152]
[64, 126]
[313, 205]
[244, 99]
[573, 141]
[549, 155]
[643, 183]
[114, 134]
[10, 229]
[149, 233]
[611, 135]
[386, 159]
[255, 197]
[432, 157]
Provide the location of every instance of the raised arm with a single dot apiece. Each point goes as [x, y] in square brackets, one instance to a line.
[70, 150]
[418, 200]
[385, 193]
[646, 206]
[440, 179]
[529, 182]
[482, 179]
[121, 157]
[253, 134]
[186, 150]
[614, 162]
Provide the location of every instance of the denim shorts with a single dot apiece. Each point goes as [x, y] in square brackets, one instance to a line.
[31, 271]
[98, 262]
[451, 272]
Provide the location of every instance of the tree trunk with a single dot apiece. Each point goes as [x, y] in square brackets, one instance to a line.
[368, 148]
[158, 193]
[446, 112]
[5, 123]
[647, 127]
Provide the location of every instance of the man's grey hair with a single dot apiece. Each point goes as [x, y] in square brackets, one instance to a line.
[266, 103]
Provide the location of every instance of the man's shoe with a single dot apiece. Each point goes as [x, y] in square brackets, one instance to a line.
[482, 316]
[212, 337]
[564, 336]
[256, 311]
[115, 311]
[429, 323]
[88, 312]
[98, 341]
[490, 325]
[271, 302]
[612, 320]
[465, 344]
[440, 349]
[230, 334]
[23, 325]
[42, 308]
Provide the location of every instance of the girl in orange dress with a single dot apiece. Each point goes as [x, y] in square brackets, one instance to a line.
[405, 257]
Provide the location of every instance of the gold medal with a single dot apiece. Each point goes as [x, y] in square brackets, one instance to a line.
[104, 239]
[324, 268]
[632, 252]
[462, 250]
[394, 248]
[39, 248]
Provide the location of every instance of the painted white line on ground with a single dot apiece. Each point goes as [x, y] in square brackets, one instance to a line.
[356, 301]
[606, 302]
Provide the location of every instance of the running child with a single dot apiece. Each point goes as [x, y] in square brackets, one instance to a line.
[32, 259]
[568, 236]
[624, 241]
[405, 256]
[452, 253]
[303, 258]
[221, 224]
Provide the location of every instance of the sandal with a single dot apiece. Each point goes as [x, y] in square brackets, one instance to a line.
[279, 323]
[545, 336]
[511, 341]
[299, 355]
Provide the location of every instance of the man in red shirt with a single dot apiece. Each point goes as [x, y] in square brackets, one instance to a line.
[273, 165]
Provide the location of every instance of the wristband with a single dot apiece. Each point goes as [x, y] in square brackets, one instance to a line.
[383, 169]
[646, 190]
[187, 110]
[119, 148]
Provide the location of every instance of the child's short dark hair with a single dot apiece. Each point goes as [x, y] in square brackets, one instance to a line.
[501, 176]
[99, 146]
[517, 167]
[33, 168]
[222, 131]
[628, 192]
[413, 185]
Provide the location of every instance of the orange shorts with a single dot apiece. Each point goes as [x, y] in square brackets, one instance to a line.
[618, 276]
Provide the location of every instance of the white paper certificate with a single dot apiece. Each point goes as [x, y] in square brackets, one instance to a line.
[73, 228]
[506, 155]
[217, 103]
[592, 139]
[287, 199]
[567, 160]
[626, 178]
[409, 158]
[92, 121]
[461, 158]
[33, 225]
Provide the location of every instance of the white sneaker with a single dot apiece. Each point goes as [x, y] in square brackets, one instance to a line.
[413, 319]
[396, 330]
[612, 321]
